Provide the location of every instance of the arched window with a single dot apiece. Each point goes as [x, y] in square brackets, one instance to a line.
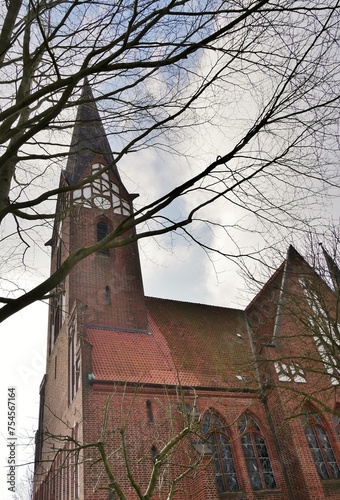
[218, 445]
[102, 232]
[320, 445]
[256, 454]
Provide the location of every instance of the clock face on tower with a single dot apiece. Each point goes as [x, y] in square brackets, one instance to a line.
[102, 202]
[102, 193]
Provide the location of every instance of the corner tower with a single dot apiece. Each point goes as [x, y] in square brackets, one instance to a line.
[108, 282]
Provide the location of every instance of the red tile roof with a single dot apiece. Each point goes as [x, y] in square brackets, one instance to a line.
[188, 344]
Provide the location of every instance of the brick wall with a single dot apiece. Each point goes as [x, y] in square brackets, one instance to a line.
[119, 270]
[293, 345]
[128, 411]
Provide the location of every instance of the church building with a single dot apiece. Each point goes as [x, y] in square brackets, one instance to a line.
[154, 398]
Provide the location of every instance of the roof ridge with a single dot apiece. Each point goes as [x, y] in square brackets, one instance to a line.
[148, 297]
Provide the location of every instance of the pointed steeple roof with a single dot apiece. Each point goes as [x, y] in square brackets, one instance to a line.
[88, 138]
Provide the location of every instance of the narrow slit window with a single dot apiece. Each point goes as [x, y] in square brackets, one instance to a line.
[107, 295]
[218, 444]
[149, 412]
[102, 232]
[74, 363]
[57, 320]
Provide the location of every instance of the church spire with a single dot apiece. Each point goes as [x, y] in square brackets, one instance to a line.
[108, 282]
[88, 138]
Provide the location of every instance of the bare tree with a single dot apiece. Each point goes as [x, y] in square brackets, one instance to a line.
[295, 321]
[155, 464]
[262, 74]
[25, 487]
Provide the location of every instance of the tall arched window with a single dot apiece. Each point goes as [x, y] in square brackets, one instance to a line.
[256, 454]
[319, 444]
[218, 445]
[102, 232]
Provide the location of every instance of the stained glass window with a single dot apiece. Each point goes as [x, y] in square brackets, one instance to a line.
[256, 454]
[218, 445]
[320, 446]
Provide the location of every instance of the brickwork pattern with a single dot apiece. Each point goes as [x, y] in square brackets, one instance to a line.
[137, 355]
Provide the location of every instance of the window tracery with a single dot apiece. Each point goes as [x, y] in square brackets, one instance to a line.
[217, 444]
[320, 446]
[256, 454]
[325, 330]
[289, 372]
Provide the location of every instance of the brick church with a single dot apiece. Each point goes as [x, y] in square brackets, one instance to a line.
[155, 398]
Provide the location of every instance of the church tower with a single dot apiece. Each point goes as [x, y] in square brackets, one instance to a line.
[103, 292]
[110, 277]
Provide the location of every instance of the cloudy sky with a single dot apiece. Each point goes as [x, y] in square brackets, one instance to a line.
[173, 266]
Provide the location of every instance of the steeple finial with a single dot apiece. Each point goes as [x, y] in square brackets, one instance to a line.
[88, 138]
